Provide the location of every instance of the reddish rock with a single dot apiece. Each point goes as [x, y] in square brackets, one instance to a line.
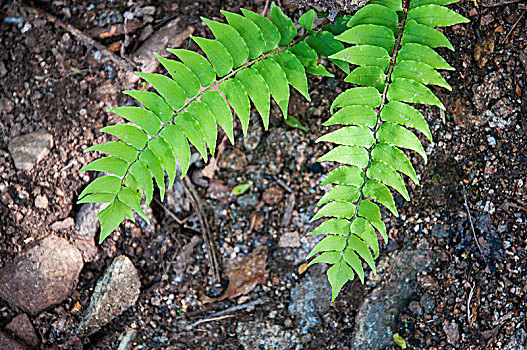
[22, 328]
[8, 343]
[42, 276]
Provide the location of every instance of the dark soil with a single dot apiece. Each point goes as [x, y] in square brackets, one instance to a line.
[48, 80]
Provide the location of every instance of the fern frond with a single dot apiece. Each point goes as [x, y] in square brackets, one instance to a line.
[392, 51]
[251, 60]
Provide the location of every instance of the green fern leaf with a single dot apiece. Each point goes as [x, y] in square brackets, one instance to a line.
[153, 102]
[112, 165]
[294, 70]
[132, 200]
[326, 257]
[270, 32]
[205, 118]
[217, 54]
[375, 14]
[367, 76]
[396, 158]
[153, 164]
[394, 5]
[435, 16]
[387, 175]
[221, 110]
[230, 39]
[351, 155]
[117, 149]
[258, 92]
[97, 198]
[371, 212]
[249, 31]
[164, 152]
[333, 227]
[325, 44]
[330, 243]
[424, 54]
[369, 34]
[198, 64]
[143, 180]
[417, 3]
[239, 101]
[401, 113]
[175, 137]
[335, 209]
[345, 175]
[407, 90]
[276, 81]
[380, 193]
[338, 275]
[350, 136]
[365, 96]
[104, 184]
[340, 193]
[194, 133]
[396, 135]
[284, 24]
[307, 19]
[364, 230]
[167, 88]
[354, 262]
[112, 216]
[424, 35]
[419, 72]
[143, 118]
[354, 115]
[128, 133]
[357, 245]
[365, 55]
[182, 75]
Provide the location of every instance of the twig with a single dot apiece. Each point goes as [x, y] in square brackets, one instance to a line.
[207, 236]
[263, 13]
[228, 312]
[170, 213]
[469, 310]
[471, 224]
[85, 39]
[513, 26]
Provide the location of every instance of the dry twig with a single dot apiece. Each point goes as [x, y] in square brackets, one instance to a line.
[207, 236]
[471, 224]
[85, 39]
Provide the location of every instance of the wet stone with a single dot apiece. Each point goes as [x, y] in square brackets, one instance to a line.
[377, 315]
[27, 150]
[114, 293]
[310, 299]
[43, 276]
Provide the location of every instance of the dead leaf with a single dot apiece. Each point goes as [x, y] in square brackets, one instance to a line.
[245, 273]
[219, 191]
[116, 29]
[210, 169]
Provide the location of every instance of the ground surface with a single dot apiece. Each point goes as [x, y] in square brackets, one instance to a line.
[48, 80]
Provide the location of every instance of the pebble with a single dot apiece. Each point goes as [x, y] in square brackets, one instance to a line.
[415, 308]
[42, 276]
[114, 293]
[491, 140]
[289, 240]
[21, 327]
[452, 332]
[428, 303]
[41, 202]
[62, 225]
[28, 150]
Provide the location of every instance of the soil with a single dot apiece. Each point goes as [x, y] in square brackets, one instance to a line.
[49, 80]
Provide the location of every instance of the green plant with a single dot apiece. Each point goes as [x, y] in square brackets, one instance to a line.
[253, 59]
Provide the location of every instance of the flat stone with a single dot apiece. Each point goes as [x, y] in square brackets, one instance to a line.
[310, 299]
[8, 343]
[27, 150]
[22, 328]
[266, 336]
[42, 276]
[62, 225]
[86, 226]
[115, 292]
[289, 240]
[452, 332]
[378, 313]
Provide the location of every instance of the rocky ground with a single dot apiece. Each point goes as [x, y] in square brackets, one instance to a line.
[453, 275]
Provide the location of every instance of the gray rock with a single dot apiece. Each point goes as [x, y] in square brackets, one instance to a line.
[310, 299]
[115, 292]
[452, 332]
[248, 200]
[377, 314]
[27, 150]
[428, 303]
[87, 222]
[43, 276]
[440, 231]
[262, 335]
[415, 308]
